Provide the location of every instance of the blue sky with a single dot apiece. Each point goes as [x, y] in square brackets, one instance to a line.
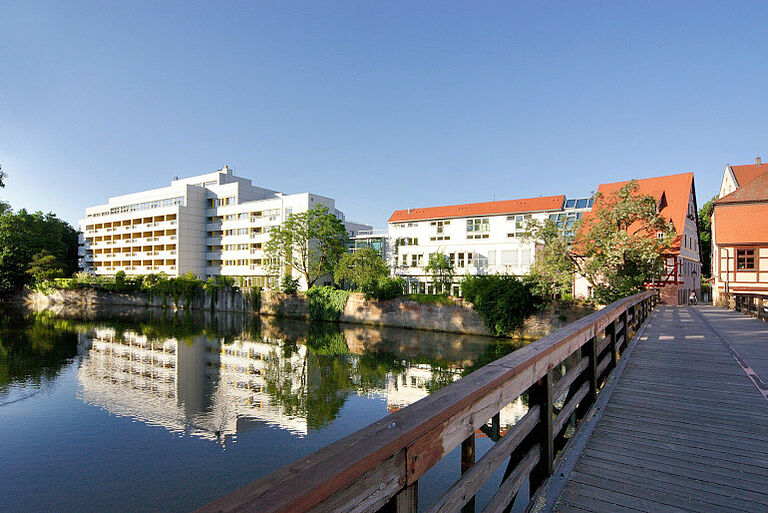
[381, 105]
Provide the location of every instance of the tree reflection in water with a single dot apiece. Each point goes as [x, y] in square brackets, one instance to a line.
[212, 374]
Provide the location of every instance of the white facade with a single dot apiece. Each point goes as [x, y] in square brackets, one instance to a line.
[212, 225]
[482, 244]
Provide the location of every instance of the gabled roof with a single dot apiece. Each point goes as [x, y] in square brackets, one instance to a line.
[673, 193]
[745, 223]
[487, 208]
[747, 173]
[755, 190]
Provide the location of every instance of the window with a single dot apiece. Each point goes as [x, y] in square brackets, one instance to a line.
[478, 225]
[745, 259]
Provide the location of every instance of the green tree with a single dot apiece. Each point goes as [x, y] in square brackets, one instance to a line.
[441, 269]
[555, 265]
[310, 242]
[705, 234]
[44, 266]
[2, 177]
[24, 235]
[621, 245]
[364, 269]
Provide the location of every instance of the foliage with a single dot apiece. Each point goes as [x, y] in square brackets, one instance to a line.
[289, 285]
[326, 303]
[705, 235]
[386, 288]
[310, 242]
[363, 269]
[441, 269]
[554, 267]
[503, 301]
[2, 177]
[44, 266]
[255, 294]
[431, 299]
[24, 235]
[620, 247]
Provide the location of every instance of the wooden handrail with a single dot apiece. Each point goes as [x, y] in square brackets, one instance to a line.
[379, 466]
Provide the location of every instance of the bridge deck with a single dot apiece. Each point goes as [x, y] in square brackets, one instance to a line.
[686, 427]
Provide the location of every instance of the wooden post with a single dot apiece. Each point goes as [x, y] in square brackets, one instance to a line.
[467, 460]
[541, 393]
[496, 427]
[610, 331]
[406, 501]
[623, 319]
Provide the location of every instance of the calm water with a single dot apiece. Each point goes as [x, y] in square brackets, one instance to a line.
[149, 411]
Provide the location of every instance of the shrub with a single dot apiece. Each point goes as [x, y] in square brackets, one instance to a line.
[385, 288]
[431, 299]
[289, 285]
[326, 303]
[502, 301]
[120, 278]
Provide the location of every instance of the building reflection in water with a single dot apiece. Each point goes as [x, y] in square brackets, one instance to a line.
[287, 375]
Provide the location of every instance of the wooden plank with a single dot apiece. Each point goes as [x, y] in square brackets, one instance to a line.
[569, 408]
[469, 484]
[572, 375]
[511, 485]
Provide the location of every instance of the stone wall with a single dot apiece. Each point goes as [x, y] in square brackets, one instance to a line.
[458, 317]
[219, 300]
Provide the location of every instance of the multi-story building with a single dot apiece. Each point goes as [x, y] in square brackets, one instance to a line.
[740, 233]
[211, 225]
[676, 199]
[478, 238]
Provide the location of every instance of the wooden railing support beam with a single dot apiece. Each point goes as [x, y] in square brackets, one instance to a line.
[467, 461]
[541, 393]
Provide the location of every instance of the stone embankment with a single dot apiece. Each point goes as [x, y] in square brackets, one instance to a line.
[458, 317]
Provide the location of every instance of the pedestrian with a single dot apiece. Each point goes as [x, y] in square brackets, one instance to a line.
[692, 300]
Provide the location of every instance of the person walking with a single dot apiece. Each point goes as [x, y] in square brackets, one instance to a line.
[692, 300]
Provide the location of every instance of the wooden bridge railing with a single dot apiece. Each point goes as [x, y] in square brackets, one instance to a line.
[752, 304]
[378, 467]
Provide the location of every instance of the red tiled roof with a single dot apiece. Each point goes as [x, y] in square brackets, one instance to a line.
[741, 224]
[675, 189]
[747, 173]
[755, 190]
[480, 209]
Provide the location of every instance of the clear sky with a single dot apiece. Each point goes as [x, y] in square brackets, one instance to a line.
[381, 105]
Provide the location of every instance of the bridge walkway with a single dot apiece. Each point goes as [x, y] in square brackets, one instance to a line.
[685, 427]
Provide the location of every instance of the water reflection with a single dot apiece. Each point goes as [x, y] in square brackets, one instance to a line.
[213, 376]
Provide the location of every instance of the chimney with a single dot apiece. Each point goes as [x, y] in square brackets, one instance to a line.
[757, 161]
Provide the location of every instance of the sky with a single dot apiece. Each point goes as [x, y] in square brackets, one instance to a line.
[380, 105]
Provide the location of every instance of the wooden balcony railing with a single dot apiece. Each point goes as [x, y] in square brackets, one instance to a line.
[378, 467]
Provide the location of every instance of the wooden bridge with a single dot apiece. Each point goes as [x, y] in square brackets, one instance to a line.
[633, 408]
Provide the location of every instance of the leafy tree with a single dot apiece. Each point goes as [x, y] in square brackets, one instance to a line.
[44, 267]
[441, 269]
[502, 301]
[621, 245]
[364, 269]
[24, 235]
[554, 267]
[705, 233]
[2, 177]
[310, 242]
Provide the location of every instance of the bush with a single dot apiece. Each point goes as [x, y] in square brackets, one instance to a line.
[326, 303]
[502, 301]
[431, 299]
[385, 288]
[120, 278]
[289, 285]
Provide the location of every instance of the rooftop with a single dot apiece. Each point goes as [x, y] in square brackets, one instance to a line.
[516, 206]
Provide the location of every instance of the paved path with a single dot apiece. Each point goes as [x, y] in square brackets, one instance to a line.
[686, 426]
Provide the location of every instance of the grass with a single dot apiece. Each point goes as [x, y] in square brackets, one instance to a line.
[429, 299]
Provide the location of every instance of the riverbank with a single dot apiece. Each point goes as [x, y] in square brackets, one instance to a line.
[457, 316]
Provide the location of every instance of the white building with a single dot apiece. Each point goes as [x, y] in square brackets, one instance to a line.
[478, 238]
[212, 225]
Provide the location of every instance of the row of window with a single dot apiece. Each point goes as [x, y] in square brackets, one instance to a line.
[509, 258]
[169, 202]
